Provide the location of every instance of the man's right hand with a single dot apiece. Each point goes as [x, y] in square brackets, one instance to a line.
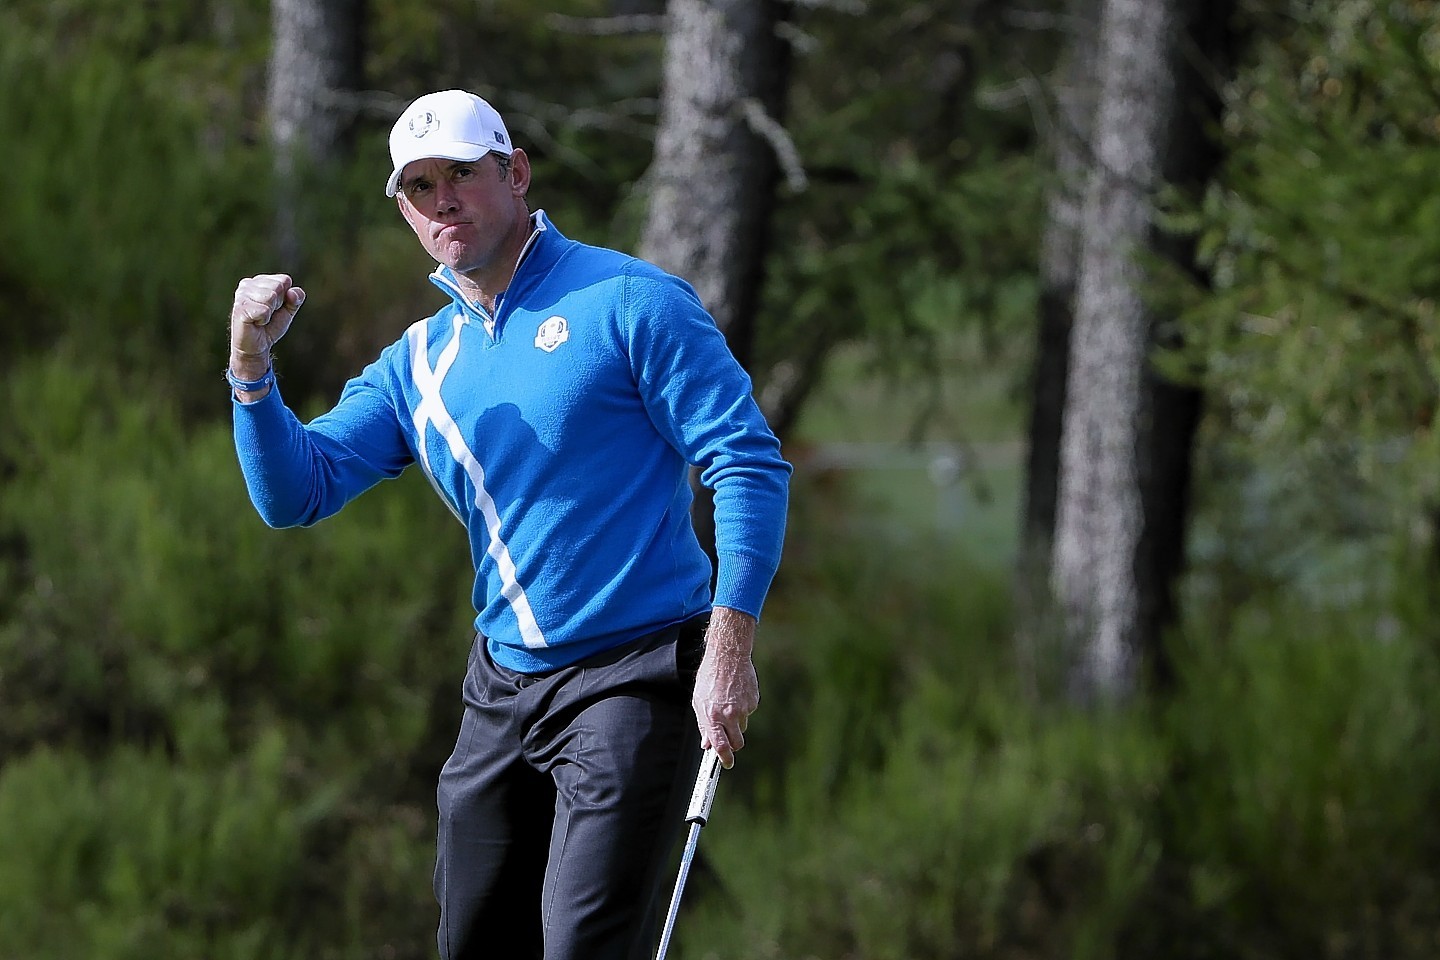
[264, 307]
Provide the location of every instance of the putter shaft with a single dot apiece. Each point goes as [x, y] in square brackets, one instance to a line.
[698, 813]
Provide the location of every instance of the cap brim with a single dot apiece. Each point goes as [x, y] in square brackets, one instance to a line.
[454, 150]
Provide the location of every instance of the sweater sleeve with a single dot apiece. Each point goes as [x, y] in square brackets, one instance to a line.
[699, 398]
[298, 474]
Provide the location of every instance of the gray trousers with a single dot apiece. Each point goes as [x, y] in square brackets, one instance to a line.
[561, 806]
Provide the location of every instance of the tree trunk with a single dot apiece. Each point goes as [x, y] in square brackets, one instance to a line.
[1206, 58]
[1127, 436]
[713, 179]
[316, 61]
[1069, 141]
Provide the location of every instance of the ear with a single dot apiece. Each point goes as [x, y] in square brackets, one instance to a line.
[519, 173]
[407, 211]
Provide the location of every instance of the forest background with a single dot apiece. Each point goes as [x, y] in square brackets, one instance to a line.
[221, 741]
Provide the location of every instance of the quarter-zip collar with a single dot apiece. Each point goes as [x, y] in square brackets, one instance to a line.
[444, 277]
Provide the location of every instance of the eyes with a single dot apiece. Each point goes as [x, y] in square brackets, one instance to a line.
[420, 188]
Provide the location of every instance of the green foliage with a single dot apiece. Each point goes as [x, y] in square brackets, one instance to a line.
[951, 847]
[133, 201]
[922, 214]
[1276, 804]
[955, 248]
[278, 698]
[1308, 765]
[138, 536]
[1322, 237]
[142, 855]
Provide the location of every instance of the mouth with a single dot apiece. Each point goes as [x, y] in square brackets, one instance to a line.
[448, 230]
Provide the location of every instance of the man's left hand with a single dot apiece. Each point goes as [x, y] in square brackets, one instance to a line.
[726, 688]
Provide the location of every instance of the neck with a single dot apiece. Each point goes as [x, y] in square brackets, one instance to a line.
[476, 293]
[485, 285]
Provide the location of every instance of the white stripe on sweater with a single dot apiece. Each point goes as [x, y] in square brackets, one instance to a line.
[431, 409]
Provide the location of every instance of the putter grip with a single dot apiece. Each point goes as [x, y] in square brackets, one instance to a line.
[704, 793]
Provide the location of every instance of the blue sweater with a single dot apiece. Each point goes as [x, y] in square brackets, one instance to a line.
[558, 431]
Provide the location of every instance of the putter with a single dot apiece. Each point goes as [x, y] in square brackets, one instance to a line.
[700, 799]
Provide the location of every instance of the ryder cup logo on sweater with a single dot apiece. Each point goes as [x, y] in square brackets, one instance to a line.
[423, 123]
[552, 333]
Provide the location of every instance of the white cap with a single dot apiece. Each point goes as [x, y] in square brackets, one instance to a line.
[451, 125]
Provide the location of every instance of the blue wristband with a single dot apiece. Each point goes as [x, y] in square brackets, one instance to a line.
[250, 386]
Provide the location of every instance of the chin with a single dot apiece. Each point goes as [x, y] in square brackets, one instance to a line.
[456, 256]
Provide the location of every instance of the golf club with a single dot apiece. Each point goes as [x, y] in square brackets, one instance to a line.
[700, 799]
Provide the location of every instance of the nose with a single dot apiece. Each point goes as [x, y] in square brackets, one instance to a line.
[447, 199]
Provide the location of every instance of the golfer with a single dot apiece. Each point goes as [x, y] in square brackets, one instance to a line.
[555, 402]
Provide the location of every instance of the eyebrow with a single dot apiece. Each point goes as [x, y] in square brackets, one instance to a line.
[453, 164]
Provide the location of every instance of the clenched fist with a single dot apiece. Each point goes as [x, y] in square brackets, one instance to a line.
[264, 307]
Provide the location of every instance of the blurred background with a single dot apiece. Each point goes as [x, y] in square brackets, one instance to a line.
[1102, 335]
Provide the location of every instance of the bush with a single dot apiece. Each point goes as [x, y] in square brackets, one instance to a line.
[1307, 758]
[141, 855]
[1275, 804]
[298, 689]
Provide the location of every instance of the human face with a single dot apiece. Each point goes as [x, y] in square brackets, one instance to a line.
[467, 214]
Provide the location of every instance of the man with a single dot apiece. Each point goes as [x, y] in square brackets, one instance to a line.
[555, 404]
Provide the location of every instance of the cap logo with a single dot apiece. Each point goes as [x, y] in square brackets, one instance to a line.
[423, 123]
